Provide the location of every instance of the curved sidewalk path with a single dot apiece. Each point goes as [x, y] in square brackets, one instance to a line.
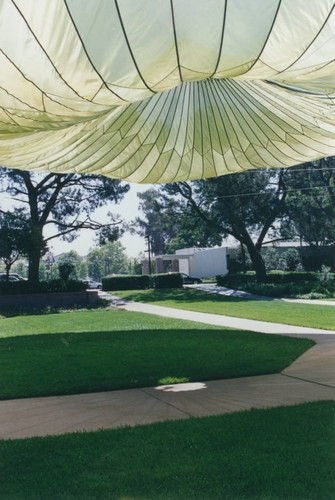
[221, 290]
[310, 378]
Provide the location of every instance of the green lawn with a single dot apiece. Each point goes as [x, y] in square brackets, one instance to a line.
[309, 315]
[107, 350]
[282, 453]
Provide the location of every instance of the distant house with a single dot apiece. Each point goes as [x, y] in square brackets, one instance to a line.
[200, 262]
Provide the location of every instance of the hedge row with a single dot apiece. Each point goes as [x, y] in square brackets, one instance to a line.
[135, 282]
[142, 281]
[231, 280]
[167, 280]
[52, 286]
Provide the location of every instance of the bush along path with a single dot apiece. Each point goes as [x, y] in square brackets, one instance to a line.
[229, 292]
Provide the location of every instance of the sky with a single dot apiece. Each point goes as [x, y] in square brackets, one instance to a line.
[127, 209]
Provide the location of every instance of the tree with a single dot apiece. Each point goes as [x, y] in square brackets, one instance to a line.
[271, 258]
[245, 206]
[79, 266]
[43, 274]
[290, 260]
[14, 237]
[169, 224]
[156, 222]
[108, 259]
[65, 269]
[310, 204]
[20, 268]
[63, 202]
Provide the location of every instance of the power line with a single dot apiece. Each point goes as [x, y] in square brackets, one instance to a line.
[298, 170]
[264, 193]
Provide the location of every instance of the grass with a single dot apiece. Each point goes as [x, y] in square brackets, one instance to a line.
[280, 453]
[108, 350]
[309, 315]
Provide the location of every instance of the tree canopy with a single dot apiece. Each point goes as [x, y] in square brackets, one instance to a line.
[64, 202]
[253, 207]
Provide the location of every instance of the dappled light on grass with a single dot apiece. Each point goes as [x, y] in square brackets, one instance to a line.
[195, 386]
[173, 380]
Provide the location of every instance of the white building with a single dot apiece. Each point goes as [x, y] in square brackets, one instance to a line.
[200, 262]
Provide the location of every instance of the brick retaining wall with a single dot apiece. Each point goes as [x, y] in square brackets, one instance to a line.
[41, 300]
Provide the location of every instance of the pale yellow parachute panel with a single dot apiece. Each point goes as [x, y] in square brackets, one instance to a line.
[165, 90]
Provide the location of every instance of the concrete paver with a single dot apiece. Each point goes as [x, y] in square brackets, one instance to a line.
[22, 418]
[317, 364]
[310, 378]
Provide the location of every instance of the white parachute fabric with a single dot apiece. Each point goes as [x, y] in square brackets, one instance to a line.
[165, 90]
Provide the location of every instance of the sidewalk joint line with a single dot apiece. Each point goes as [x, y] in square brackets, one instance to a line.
[166, 402]
[305, 380]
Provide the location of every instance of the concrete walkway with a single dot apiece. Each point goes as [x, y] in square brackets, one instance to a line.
[215, 319]
[221, 290]
[309, 378]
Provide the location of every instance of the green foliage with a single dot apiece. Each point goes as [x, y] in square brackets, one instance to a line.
[51, 286]
[66, 199]
[238, 280]
[135, 282]
[136, 264]
[15, 237]
[108, 259]
[245, 206]
[281, 284]
[300, 290]
[290, 260]
[43, 271]
[167, 280]
[79, 270]
[21, 269]
[167, 231]
[309, 206]
[271, 258]
[239, 260]
[65, 269]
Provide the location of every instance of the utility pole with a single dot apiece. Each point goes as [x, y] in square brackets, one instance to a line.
[149, 253]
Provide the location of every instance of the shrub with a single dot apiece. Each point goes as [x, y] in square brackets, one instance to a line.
[167, 280]
[271, 258]
[290, 260]
[273, 277]
[134, 282]
[280, 284]
[235, 280]
[65, 269]
[52, 286]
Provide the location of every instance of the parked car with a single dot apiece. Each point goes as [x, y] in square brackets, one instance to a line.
[11, 277]
[190, 280]
[93, 285]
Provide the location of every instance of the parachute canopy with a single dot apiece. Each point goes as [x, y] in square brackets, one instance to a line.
[165, 90]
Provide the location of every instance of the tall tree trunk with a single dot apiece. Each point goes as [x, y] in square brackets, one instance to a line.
[8, 265]
[244, 266]
[37, 246]
[257, 262]
[34, 264]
